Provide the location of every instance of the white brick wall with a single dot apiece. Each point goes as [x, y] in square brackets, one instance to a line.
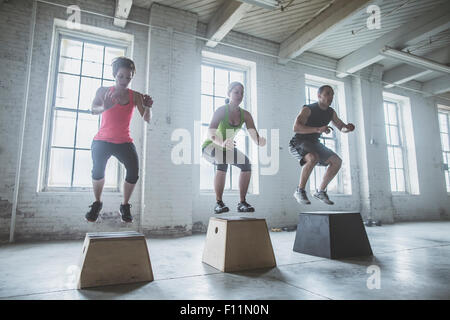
[173, 203]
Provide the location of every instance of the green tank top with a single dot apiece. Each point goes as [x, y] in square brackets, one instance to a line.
[225, 125]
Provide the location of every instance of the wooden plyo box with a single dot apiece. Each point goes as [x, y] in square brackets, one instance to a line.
[332, 234]
[238, 243]
[114, 258]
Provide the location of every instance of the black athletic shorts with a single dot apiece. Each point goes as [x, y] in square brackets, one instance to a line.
[126, 153]
[300, 148]
[221, 158]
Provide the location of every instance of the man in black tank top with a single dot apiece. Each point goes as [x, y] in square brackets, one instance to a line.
[305, 146]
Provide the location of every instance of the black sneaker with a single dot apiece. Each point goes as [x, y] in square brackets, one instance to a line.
[322, 196]
[220, 207]
[92, 215]
[125, 213]
[245, 207]
[300, 196]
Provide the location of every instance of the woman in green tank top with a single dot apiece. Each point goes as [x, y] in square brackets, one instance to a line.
[219, 147]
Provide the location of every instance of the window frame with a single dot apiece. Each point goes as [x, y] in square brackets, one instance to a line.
[402, 146]
[85, 36]
[446, 111]
[335, 105]
[246, 104]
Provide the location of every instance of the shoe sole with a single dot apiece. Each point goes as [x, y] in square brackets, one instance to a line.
[323, 201]
[246, 210]
[300, 201]
[225, 210]
[120, 214]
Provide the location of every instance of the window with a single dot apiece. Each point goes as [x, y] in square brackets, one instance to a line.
[82, 67]
[444, 128]
[341, 183]
[395, 146]
[215, 78]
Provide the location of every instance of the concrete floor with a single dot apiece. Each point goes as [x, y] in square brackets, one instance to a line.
[414, 259]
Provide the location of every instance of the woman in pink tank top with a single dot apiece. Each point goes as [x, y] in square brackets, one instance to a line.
[116, 105]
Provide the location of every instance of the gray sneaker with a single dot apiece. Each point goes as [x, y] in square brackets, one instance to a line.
[300, 196]
[322, 196]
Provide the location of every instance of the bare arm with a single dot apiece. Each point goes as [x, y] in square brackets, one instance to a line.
[300, 123]
[99, 100]
[142, 104]
[341, 125]
[250, 124]
[337, 122]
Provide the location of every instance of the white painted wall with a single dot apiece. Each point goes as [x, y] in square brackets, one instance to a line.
[173, 203]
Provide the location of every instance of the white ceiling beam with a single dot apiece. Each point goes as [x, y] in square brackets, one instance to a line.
[225, 18]
[121, 12]
[437, 86]
[315, 30]
[404, 72]
[409, 33]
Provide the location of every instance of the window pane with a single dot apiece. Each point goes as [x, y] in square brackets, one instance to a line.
[87, 128]
[392, 113]
[388, 136]
[221, 82]
[313, 94]
[218, 102]
[398, 154]
[391, 157]
[110, 54]
[107, 83]
[88, 88]
[444, 142]
[400, 181]
[92, 60]
[83, 169]
[111, 175]
[207, 74]
[63, 128]
[207, 80]
[443, 126]
[67, 91]
[236, 76]
[393, 180]
[70, 56]
[394, 136]
[386, 114]
[207, 109]
[445, 157]
[447, 180]
[60, 167]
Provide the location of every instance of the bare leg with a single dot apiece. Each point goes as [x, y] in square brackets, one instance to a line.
[98, 188]
[334, 165]
[244, 181]
[311, 161]
[127, 191]
[219, 183]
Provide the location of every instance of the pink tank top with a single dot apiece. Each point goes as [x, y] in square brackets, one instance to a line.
[115, 125]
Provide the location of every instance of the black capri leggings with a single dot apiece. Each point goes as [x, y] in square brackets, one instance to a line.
[221, 158]
[126, 153]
